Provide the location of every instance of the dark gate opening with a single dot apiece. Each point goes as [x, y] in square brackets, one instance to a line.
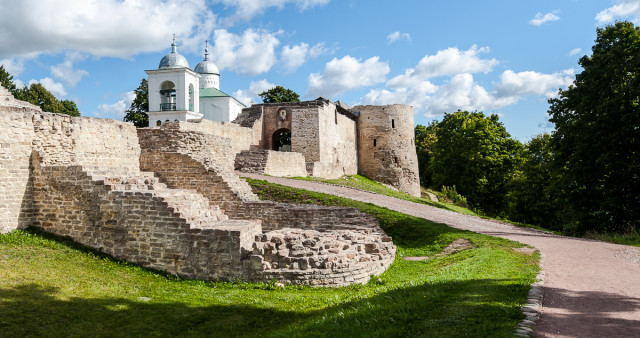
[281, 140]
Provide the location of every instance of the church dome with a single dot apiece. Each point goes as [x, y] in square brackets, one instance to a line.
[206, 66]
[173, 59]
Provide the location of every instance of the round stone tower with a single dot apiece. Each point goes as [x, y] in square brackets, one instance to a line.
[386, 146]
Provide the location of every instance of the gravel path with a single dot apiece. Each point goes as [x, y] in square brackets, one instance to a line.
[591, 288]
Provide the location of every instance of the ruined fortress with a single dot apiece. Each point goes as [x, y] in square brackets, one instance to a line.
[167, 197]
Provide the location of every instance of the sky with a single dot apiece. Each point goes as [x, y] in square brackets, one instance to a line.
[497, 56]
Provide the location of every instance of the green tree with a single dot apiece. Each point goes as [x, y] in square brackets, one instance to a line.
[533, 197]
[476, 154]
[425, 138]
[6, 80]
[597, 136]
[137, 112]
[279, 94]
[37, 94]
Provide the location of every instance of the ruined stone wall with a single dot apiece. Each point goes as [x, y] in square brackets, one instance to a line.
[386, 147]
[241, 138]
[284, 164]
[337, 144]
[16, 185]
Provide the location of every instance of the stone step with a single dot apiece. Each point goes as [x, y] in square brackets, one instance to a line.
[192, 206]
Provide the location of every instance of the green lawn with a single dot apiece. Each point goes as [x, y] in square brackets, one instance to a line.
[51, 287]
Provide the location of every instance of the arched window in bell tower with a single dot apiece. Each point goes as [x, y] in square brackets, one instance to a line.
[167, 96]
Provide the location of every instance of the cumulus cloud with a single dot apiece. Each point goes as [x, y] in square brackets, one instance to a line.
[348, 73]
[575, 51]
[65, 71]
[247, 9]
[624, 9]
[115, 28]
[56, 88]
[395, 36]
[448, 62]
[116, 110]
[251, 53]
[295, 56]
[461, 91]
[541, 19]
[532, 83]
[250, 95]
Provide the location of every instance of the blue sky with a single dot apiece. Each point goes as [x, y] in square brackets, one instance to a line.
[504, 57]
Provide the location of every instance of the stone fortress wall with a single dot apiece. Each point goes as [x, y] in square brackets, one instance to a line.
[337, 141]
[185, 212]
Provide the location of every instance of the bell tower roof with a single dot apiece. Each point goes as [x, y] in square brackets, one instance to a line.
[173, 59]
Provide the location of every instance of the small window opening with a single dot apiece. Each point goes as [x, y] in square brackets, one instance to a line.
[158, 123]
[374, 142]
[395, 160]
[393, 123]
[336, 115]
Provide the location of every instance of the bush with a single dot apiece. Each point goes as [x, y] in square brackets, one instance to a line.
[452, 195]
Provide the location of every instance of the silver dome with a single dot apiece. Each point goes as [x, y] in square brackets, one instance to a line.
[206, 66]
[173, 59]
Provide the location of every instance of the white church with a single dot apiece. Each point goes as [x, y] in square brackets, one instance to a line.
[177, 93]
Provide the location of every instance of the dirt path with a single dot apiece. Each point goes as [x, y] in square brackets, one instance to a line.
[591, 288]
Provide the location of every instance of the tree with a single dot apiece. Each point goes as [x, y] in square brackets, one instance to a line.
[279, 94]
[533, 194]
[6, 80]
[597, 136]
[425, 139]
[137, 112]
[476, 154]
[37, 94]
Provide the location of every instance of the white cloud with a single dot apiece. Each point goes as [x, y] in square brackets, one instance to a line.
[462, 92]
[250, 54]
[56, 88]
[250, 95]
[541, 19]
[115, 28]
[296, 56]
[116, 110]
[532, 83]
[348, 73]
[395, 36]
[247, 9]
[575, 51]
[446, 62]
[624, 9]
[65, 72]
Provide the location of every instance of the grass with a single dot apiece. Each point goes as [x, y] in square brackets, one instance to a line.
[631, 238]
[52, 287]
[363, 183]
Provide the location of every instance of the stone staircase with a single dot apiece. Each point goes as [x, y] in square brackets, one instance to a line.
[253, 160]
[196, 209]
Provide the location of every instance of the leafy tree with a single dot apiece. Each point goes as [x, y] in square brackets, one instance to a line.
[533, 191]
[476, 154]
[425, 138]
[597, 137]
[279, 94]
[37, 94]
[6, 80]
[137, 112]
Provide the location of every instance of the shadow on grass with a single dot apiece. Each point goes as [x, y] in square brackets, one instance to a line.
[469, 308]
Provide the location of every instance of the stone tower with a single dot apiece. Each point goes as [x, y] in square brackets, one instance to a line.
[386, 146]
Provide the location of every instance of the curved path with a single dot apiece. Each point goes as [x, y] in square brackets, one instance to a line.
[591, 288]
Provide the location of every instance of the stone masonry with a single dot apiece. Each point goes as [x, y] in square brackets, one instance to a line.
[167, 198]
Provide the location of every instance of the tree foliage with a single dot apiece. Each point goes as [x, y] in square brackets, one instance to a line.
[476, 154]
[6, 80]
[37, 94]
[597, 137]
[137, 112]
[425, 138]
[279, 94]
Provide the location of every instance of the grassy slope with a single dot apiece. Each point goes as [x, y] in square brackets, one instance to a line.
[363, 183]
[52, 287]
